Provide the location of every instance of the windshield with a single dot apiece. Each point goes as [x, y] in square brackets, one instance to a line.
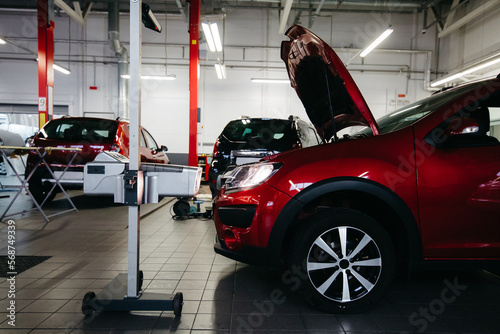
[68, 129]
[415, 111]
[248, 128]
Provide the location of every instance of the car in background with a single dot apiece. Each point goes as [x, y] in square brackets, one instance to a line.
[91, 135]
[8, 138]
[417, 189]
[248, 140]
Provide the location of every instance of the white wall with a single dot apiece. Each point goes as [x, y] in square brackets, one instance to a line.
[472, 42]
[252, 51]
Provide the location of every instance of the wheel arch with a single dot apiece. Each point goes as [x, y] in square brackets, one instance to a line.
[406, 235]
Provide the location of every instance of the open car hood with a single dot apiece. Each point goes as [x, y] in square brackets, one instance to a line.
[323, 84]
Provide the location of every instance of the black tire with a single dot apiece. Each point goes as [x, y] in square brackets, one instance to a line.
[335, 275]
[181, 208]
[39, 190]
[88, 303]
[140, 280]
[178, 302]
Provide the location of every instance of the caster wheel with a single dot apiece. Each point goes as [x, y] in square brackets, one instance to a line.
[181, 208]
[88, 303]
[140, 280]
[178, 303]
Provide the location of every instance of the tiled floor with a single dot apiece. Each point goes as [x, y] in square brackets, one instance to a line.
[89, 249]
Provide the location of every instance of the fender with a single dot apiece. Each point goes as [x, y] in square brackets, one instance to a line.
[299, 201]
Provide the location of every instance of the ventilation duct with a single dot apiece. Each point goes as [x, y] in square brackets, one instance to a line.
[122, 54]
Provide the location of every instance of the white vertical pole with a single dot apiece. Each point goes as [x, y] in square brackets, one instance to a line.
[135, 121]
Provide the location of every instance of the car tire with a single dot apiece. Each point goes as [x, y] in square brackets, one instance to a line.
[344, 261]
[39, 190]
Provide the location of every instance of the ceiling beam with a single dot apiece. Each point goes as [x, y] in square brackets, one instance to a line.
[284, 15]
[73, 14]
[469, 17]
[181, 10]
[316, 13]
[78, 9]
[87, 11]
[451, 14]
[438, 17]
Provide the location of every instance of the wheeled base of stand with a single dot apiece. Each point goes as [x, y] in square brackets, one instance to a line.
[113, 298]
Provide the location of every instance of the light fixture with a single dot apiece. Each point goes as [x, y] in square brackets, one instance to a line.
[169, 77]
[61, 69]
[58, 68]
[280, 81]
[376, 42]
[2, 41]
[465, 72]
[212, 35]
[221, 70]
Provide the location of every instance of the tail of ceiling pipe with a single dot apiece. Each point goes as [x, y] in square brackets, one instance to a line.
[122, 54]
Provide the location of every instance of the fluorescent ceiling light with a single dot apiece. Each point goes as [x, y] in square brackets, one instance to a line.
[2, 41]
[212, 36]
[221, 70]
[58, 68]
[258, 80]
[154, 77]
[376, 42]
[465, 72]
[216, 35]
[61, 69]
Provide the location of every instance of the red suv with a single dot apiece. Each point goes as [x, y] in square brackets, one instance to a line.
[91, 135]
[419, 189]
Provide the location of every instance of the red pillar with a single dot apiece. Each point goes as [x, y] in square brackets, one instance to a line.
[194, 28]
[45, 64]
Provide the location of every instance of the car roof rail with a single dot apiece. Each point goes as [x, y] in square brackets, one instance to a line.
[244, 116]
[293, 118]
[120, 118]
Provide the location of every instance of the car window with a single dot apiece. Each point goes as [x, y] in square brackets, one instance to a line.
[495, 122]
[93, 130]
[152, 143]
[143, 140]
[478, 124]
[245, 129]
[413, 112]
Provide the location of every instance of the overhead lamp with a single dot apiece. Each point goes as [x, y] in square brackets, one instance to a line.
[61, 69]
[376, 42]
[148, 18]
[280, 81]
[212, 36]
[2, 41]
[465, 72]
[169, 77]
[221, 70]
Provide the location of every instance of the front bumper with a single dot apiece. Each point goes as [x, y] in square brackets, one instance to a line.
[251, 255]
[244, 221]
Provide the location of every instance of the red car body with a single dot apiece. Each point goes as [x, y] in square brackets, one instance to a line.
[93, 135]
[431, 189]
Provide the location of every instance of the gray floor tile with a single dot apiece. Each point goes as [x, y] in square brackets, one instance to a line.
[221, 295]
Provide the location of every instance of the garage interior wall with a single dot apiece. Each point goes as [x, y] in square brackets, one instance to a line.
[388, 80]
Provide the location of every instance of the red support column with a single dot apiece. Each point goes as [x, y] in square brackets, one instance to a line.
[45, 64]
[194, 28]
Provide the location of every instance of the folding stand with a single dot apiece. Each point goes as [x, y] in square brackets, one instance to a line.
[24, 183]
[124, 292]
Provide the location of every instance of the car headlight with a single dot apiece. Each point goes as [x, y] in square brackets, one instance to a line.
[246, 177]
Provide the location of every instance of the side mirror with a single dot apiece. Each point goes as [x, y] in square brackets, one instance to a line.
[461, 126]
[459, 132]
[163, 148]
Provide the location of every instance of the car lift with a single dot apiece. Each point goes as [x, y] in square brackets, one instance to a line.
[124, 293]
